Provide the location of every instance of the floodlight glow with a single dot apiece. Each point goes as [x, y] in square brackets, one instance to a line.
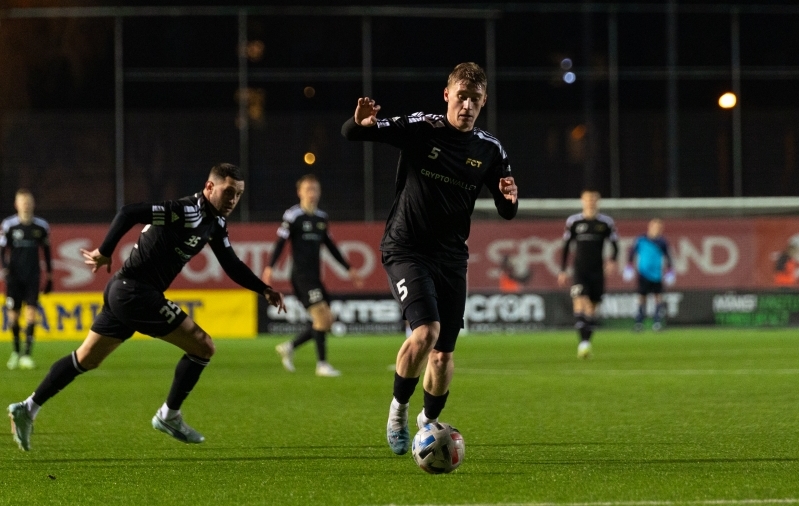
[309, 158]
[566, 63]
[728, 100]
[569, 77]
[309, 92]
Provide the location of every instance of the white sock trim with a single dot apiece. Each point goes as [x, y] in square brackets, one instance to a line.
[33, 408]
[167, 414]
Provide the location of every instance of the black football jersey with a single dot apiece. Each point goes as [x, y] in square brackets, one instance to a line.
[307, 233]
[19, 247]
[439, 176]
[174, 232]
[590, 236]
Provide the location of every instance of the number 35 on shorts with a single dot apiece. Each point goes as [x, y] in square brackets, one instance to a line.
[170, 311]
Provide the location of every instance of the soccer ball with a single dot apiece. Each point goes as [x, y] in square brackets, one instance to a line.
[438, 448]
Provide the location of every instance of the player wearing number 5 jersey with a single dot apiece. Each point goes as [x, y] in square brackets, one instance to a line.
[444, 163]
[174, 232]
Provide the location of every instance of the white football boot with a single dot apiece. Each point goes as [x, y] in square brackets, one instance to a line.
[584, 350]
[325, 370]
[286, 352]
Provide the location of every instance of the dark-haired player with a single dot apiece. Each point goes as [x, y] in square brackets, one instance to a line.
[589, 230]
[305, 225]
[444, 162]
[174, 232]
[21, 237]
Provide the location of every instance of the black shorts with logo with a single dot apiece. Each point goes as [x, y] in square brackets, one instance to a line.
[646, 286]
[429, 290]
[589, 284]
[309, 291]
[130, 306]
[21, 290]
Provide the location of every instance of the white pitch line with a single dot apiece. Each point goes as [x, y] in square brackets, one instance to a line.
[636, 372]
[708, 502]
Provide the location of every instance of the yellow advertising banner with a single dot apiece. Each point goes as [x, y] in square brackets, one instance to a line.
[221, 313]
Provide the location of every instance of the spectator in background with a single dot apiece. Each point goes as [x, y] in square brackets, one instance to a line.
[21, 237]
[652, 252]
[510, 281]
[786, 267]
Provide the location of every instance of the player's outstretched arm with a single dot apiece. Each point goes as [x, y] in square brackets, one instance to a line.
[266, 276]
[96, 259]
[275, 299]
[366, 112]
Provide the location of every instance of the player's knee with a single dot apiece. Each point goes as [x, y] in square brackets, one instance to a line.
[427, 333]
[440, 360]
[204, 346]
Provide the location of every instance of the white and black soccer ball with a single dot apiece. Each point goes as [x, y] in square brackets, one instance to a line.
[438, 448]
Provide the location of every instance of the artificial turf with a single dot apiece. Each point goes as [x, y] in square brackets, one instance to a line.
[685, 415]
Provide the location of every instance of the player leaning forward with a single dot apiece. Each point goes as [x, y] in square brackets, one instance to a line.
[175, 231]
[444, 162]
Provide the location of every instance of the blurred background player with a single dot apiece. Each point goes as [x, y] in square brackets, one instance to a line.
[21, 236]
[652, 251]
[443, 165]
[306, 226]
[589, 230]
[134, 301]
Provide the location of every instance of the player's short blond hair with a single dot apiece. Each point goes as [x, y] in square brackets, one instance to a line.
[24, 192]
[308, 177]
[468, 72]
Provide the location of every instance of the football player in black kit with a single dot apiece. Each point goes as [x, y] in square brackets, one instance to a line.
[174, 232]
[444, 162]
[21, 237]
[305, 225]
[589, 230]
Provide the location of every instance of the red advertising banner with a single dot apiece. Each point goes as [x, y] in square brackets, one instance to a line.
[734, 253]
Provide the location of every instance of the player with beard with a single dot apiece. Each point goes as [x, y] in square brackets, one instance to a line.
[174, 232]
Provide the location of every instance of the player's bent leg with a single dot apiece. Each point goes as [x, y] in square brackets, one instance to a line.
[411, 359]
[13, 324]
[25, 360]
[322, 321]
[199, 348]
[437, 377]
[91, 353]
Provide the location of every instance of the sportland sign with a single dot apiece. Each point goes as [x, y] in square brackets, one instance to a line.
[725, 274]
[708, 254]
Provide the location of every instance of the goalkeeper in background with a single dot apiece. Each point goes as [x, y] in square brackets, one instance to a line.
[652, 251]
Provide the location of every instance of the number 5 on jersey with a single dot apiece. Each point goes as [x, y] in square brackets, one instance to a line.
[402, 290]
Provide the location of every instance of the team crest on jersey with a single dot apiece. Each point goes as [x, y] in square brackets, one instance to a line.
[321, 225]
[600, 227]
[582, 228]
[307, 226]
[18, 234]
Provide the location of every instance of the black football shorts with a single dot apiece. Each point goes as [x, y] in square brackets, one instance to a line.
[130, 306]
[589, 284]
[309, 291]
[646, 286]
[429, 290]
[21, 290]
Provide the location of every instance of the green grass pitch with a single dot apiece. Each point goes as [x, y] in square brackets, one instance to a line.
[684, 416]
